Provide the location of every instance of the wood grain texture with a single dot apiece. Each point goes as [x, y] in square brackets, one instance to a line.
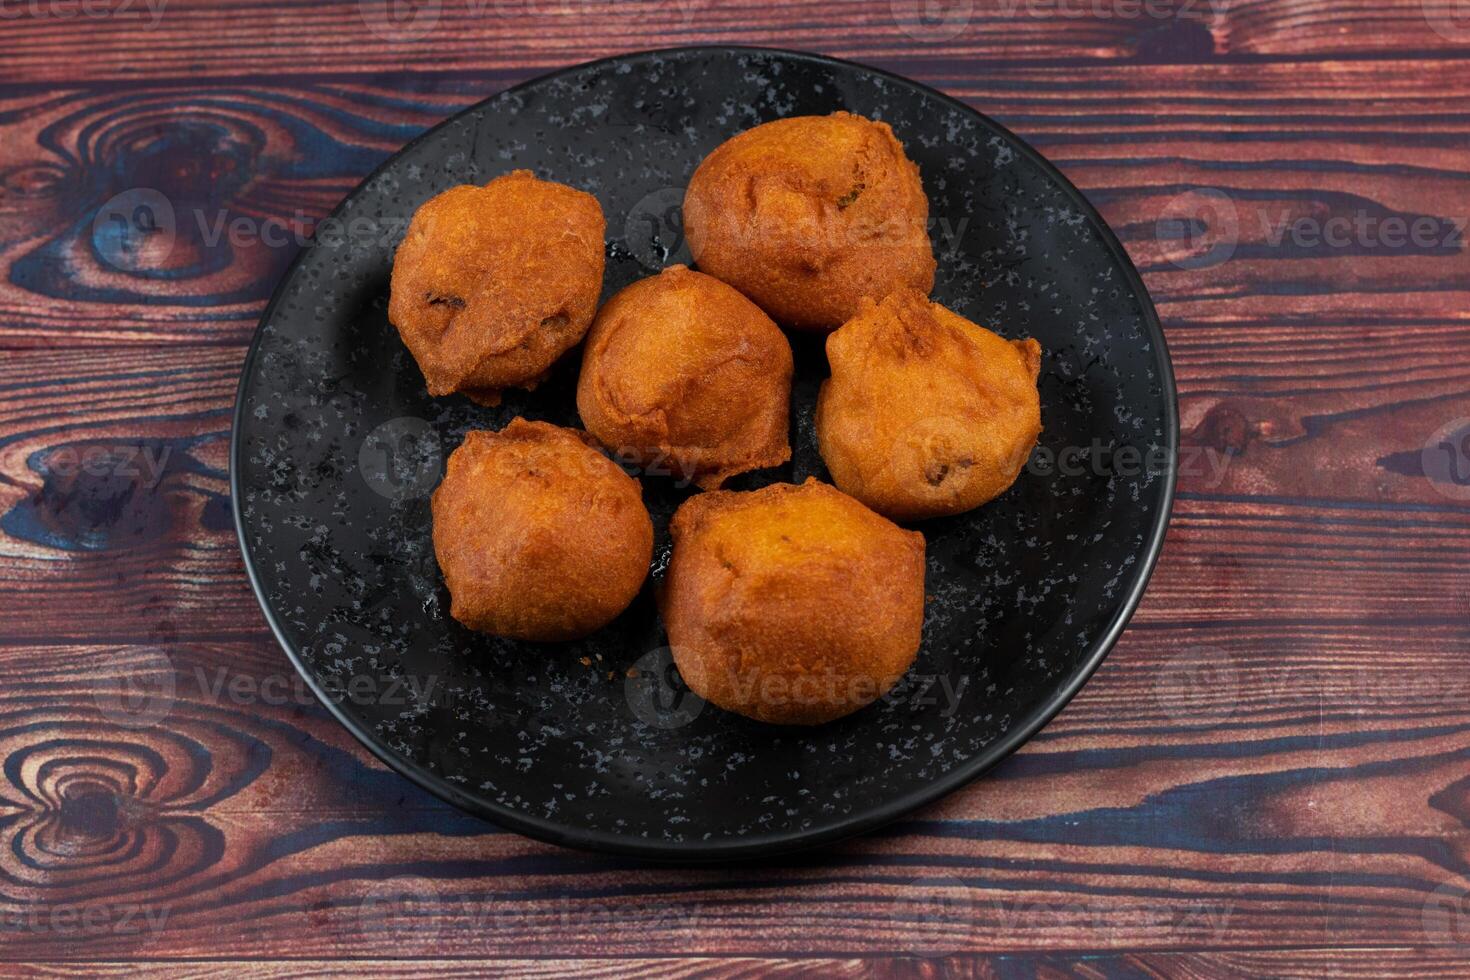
[1289, 199]
[1304, 964]
[1268, 776]
[192, 800]
[132, 38]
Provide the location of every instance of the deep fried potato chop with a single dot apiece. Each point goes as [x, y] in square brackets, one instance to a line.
[492, 284]
[926, 413]
[681, 371]
[539, 535]
[791, 604]
[808, 215]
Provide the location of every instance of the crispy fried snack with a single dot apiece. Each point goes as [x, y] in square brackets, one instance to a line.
[808, 215]
[680, 370]
[539, 536]
[791, 605]
[926, 413]
[492, 284]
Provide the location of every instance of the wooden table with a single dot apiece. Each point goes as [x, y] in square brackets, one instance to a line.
[1270, 773]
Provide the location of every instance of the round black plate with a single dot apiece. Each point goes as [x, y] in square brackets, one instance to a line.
[337, 445]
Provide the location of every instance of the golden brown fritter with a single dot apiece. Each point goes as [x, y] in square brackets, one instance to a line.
[682, 372]
[926, 413]
[492, 284]
[791, 604]
[539, 535]
[808, 215]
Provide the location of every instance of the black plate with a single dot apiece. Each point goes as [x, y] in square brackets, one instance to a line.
[336, 446]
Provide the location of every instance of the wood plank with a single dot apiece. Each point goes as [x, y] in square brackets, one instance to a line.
[194, 38]
[1290, 964]
[257, 167]
[1209, 788]
[1270, 165]
[114, 507]
[115, 523]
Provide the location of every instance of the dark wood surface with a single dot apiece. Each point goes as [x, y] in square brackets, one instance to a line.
[1270, 775]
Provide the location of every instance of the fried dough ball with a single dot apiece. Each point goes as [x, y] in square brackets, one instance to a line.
[791, 604]
[492, 284]
[681, 371]
[926, 413]
[539, 535]
[808, 215]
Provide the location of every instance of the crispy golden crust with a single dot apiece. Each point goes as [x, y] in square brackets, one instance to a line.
[808, 215]
[791, 605]
[492, 284]
[539, 536]
[682, 372]
[926, 413]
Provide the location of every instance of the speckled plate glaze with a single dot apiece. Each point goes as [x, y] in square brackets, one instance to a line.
[337, 445]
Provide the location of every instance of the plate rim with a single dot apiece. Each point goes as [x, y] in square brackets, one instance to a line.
[764, 844]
